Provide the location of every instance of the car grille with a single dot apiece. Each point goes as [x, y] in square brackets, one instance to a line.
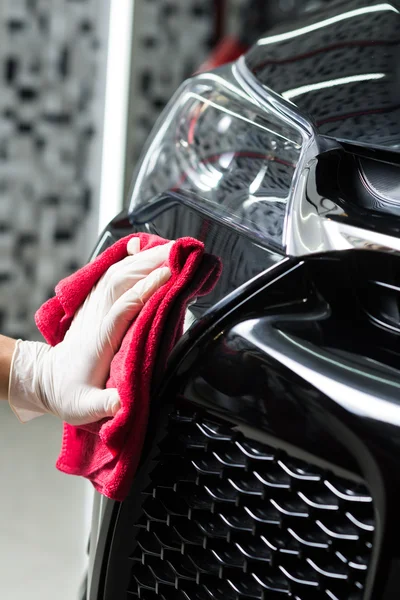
[229, 518]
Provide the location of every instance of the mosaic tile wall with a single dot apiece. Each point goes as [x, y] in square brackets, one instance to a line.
[51, 56]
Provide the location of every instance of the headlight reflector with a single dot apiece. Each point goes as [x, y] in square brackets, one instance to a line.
[238, 159]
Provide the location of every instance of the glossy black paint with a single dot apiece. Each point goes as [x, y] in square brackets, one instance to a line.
[242, 258]
[270, 356]
[339, 66]
[304, 365]
[304, 352]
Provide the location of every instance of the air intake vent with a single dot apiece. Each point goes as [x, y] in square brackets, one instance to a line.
[228, 518]
[379, 288]
[384, 303]
[381, 182]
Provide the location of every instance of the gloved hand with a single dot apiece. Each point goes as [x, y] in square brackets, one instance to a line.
[68, 379]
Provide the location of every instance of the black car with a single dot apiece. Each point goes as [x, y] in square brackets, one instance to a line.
[270, 464]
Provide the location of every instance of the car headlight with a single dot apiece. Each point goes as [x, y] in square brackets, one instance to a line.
[229, 149]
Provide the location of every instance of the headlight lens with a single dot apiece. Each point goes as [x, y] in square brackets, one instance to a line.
[237, 158]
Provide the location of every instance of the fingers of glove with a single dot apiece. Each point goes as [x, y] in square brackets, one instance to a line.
[128, 306]
[154, 256]
[116, 268]
[126, 273]
[96, 405]
[141, 265]
[133, 246]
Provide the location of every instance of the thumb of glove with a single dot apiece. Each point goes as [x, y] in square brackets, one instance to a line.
[100, 404]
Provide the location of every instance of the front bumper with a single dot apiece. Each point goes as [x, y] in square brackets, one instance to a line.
[292, 361]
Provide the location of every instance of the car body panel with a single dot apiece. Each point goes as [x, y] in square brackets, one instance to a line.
[340, 67]
[240, 358]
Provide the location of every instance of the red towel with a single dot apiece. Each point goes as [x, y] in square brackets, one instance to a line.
[107, 453]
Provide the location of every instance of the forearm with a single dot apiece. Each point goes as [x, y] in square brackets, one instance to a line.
[7, 346]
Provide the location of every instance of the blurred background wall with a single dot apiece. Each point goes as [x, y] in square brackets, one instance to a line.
[52, 94]
[51, 109]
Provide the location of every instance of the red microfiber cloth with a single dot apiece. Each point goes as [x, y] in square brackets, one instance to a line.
[107, 453]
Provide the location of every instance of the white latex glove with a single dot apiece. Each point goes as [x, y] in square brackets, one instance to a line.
[68, 379]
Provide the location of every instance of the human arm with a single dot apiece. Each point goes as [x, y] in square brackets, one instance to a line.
[7, 346]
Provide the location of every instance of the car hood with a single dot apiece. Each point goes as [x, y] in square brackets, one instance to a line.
[340, 67]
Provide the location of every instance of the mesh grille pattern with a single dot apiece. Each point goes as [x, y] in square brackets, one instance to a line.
[228, 518]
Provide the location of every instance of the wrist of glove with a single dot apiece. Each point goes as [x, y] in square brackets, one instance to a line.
[68, 380]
